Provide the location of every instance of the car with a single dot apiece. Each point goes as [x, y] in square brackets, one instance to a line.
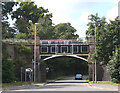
[78, 77]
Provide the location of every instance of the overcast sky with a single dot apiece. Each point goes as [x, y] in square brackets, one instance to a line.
[76, 11]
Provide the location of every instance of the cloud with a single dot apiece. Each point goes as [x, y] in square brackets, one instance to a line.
[56, 5]
[116, 1]
[84, 17]
[112, 13]
[71, 11]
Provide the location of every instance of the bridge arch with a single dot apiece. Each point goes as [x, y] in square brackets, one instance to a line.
[74, 56]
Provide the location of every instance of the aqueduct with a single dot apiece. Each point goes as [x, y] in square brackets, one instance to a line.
[48, 49]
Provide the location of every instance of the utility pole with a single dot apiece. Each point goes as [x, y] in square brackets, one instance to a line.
[93, 72]
[21, 73]
[35, 54]
[95, 59]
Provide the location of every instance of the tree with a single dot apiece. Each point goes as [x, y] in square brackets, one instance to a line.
[94, 20]
[105, 32]
[114, 66]
[21, 36]
[45, 27]
[22, 25]
[27, 12]
[7, 31]
[7, 70]
[65, 31]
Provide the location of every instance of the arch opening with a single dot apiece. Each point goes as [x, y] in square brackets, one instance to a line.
[65, 66]
[73, 56]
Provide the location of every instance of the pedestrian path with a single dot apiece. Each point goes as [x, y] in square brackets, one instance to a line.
[104, 86]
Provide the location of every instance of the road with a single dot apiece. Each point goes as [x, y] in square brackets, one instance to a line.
[67, 84]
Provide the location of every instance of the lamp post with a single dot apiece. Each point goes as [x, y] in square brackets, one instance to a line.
[94, 63]
[95, 59]
[35, 54]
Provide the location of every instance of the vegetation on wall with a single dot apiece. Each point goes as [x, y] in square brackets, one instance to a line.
[24, 58]
[25, 50]
[11, 67]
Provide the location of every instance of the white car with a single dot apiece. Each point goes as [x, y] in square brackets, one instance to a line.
[78, 77]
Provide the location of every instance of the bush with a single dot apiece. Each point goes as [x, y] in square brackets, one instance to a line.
[114, 66]
[8, 75]
[25, 50]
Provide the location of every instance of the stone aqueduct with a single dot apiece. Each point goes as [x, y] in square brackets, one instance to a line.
[48, 51]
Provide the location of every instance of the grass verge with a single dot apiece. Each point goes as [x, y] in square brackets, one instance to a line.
[17, 84]
[105, 82]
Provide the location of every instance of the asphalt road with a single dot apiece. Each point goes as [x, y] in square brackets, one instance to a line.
[66, 84]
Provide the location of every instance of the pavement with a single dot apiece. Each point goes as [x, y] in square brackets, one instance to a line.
[103, 86]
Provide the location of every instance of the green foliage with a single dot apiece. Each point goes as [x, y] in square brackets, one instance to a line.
[107, 37]
[24, 58]
[7, 70]
[20, 41]
[23, 26]
[65, 31]
[7, 31]
[21, 36]
[45, 27]
[26, 15]
[46, 30]
[16, 41]
[114, 66]
[27, 12]
[106, 82]
[17, 83]
[25, 50]
[8, 66]
[7, 9]
[94, 20]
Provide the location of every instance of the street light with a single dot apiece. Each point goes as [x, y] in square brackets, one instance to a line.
[95, 70]
[95, 59]
[94, 65]
[35, 54]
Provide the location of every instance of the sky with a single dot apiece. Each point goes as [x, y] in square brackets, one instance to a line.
[76, 11]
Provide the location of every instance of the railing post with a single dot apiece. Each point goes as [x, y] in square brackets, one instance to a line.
[72, 48]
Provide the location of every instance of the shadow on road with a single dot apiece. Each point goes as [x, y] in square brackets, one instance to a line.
[70, 81]
[67, 82]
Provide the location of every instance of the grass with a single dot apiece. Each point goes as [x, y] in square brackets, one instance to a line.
[105, 82]
[16, 84]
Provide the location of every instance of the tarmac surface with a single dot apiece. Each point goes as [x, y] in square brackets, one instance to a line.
[69, 80]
